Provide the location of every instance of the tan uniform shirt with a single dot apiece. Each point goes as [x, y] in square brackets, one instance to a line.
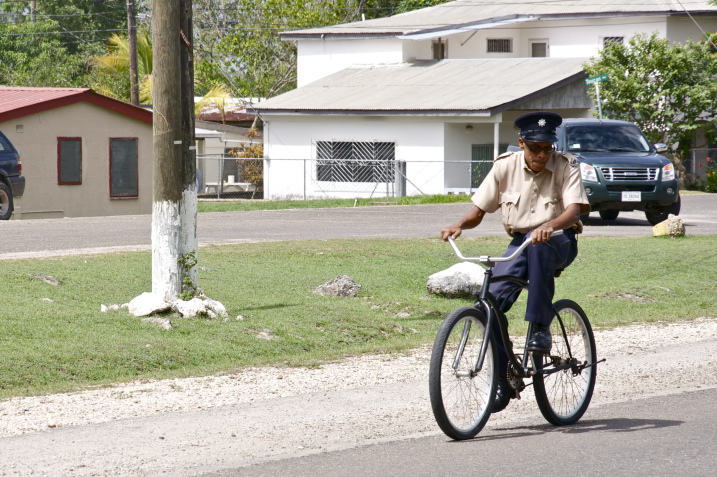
[528, 200]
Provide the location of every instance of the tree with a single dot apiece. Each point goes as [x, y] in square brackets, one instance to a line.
[113, 75]
[78, 22]
[669, 90]
[33, 54]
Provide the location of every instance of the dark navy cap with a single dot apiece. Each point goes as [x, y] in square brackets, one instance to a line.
[539, 127]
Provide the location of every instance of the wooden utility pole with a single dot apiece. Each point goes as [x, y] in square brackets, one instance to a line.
[174, 207]
[33, 5]
[189, 150]
[132, 40]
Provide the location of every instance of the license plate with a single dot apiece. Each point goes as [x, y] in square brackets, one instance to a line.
[629, 196]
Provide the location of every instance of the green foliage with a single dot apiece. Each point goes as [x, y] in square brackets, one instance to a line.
[33, 54]
[238, 43]
[667, 89]
[111, 73]
[78, 22]
[187, 263]
[710, 183]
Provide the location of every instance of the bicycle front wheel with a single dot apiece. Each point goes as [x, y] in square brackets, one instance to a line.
[563, 396]
[461, 398]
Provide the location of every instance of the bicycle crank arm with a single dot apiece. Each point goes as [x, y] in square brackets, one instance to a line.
[562, 367]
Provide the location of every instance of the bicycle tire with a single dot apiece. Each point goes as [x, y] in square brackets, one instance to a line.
[563, 397]
[462, 403]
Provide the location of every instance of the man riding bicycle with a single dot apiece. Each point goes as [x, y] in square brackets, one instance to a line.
[538, 191]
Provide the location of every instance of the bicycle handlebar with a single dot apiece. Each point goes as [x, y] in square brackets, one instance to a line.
[486, 258]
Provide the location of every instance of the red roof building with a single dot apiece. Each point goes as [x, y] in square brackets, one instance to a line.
[83, 154]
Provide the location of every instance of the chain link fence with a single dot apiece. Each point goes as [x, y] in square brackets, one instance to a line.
[700, 160]
[227, 177]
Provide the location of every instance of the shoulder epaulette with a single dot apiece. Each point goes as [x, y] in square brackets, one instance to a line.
[504, 155]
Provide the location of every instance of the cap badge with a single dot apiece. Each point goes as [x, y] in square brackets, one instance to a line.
[541, 123]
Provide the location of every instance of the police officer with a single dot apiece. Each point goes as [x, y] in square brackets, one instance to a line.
[538, 191]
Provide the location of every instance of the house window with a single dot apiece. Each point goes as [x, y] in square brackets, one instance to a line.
[539, 49]
[69, 160]
[482, 161]
[612, 40]
[343, 161]
[123, 167]
[500, 45]
[440, 49]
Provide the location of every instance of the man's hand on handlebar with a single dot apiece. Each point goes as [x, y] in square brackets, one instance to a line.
[452, 231]
[541, 234]
[472, 219]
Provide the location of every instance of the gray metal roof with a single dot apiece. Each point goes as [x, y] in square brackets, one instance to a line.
[479, 87]
[471, 14]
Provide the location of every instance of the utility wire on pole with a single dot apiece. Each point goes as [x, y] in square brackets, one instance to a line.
[132, 41]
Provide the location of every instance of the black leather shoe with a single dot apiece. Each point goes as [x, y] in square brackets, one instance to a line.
[503, 394]
[541, 341]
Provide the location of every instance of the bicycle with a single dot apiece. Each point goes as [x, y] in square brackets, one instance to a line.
[463, 373]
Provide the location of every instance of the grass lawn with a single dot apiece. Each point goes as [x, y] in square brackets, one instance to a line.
[243, 205]
[54, 338]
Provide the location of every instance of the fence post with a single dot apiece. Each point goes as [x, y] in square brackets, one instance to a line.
[400, 179]
[304, 179]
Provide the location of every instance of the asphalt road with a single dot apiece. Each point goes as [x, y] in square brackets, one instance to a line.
[669, 435]
[32, 238]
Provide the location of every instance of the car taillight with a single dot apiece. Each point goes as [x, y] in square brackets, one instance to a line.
[19, 165]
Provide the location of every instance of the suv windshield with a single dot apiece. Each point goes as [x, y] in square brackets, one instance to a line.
[604, 138]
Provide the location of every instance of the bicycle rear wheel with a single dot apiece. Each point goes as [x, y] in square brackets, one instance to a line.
[564, 396]
[461, 399]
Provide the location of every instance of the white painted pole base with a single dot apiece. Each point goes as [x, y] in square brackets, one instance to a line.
[174, 235]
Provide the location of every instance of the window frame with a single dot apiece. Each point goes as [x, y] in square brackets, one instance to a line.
[539, 41]
[124, 196]
[60, 139]
[345, 166]
[500, 50]
[608, 41]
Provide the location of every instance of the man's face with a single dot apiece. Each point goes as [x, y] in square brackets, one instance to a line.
[536, 153]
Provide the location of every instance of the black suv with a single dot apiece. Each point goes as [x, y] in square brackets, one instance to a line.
[12, 182]
[621, 170]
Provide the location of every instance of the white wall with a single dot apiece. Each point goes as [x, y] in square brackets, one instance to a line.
[680, 29]
[320, 58]
[566, 39]
[289, 143]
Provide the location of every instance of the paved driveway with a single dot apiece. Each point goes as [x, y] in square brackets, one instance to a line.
[32, 238]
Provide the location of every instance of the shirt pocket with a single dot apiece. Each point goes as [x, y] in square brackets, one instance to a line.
[551, 208]
[509, 207]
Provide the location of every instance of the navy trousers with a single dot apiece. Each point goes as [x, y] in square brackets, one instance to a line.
[536, 264]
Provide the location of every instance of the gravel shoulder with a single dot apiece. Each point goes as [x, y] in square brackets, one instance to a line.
[197, 425]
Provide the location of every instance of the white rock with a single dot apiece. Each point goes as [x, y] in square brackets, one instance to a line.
[462, 279]
[215, 306]
[190, 308]
[146, 304]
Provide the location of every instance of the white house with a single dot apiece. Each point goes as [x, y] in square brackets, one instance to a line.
[439, 88]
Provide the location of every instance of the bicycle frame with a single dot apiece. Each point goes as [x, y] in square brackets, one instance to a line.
[494, 314]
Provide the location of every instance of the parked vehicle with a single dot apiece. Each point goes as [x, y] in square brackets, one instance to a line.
[621, 170]
[12, 182]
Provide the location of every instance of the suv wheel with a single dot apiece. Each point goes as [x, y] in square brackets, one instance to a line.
[6, 204]
[660, 215]
[610, 214]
